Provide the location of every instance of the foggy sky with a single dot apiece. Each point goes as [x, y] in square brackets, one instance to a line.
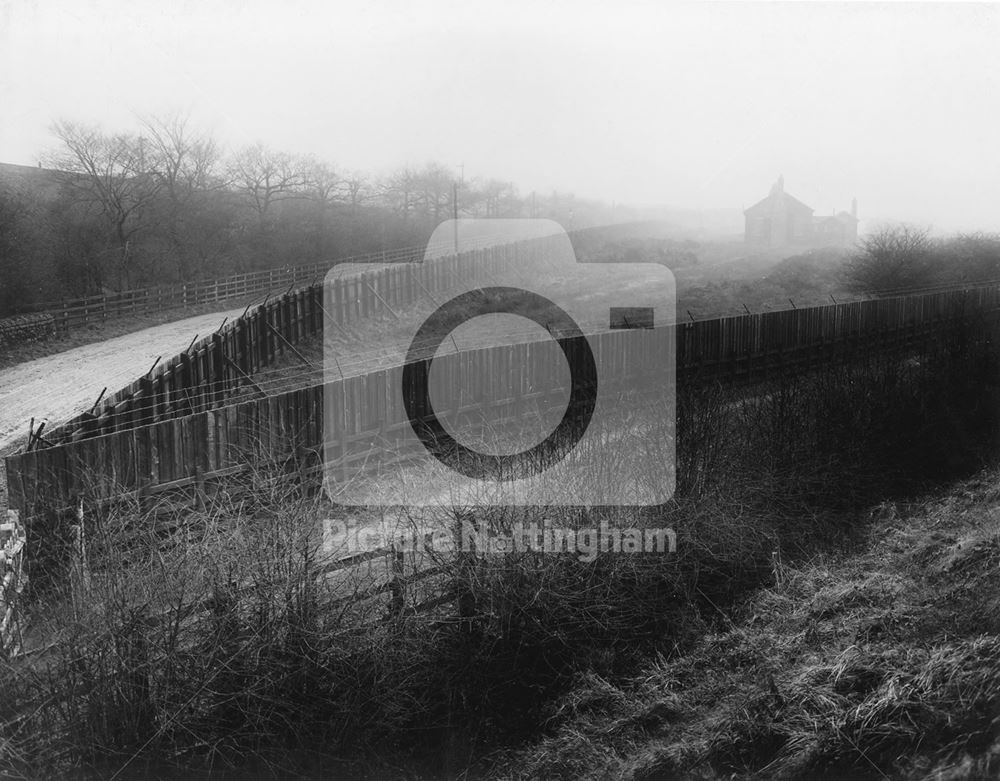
[640, 103]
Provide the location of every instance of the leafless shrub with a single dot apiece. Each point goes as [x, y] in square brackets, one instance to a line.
[895, 257]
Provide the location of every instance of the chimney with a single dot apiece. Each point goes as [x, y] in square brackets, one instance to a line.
[854, 208]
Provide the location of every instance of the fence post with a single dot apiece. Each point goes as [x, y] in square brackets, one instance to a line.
[218, 366]
[12, 580]
[79, 571]
[147, 401]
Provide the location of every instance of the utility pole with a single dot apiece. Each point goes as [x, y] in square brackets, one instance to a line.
[454, 207]
[454, 201]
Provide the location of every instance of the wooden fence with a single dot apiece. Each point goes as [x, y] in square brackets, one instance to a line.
[72, 313]
[12, 580]
[217, 367]
[186, 457]
[291, 428]
[745, 344]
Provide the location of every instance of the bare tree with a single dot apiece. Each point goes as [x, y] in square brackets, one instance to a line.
[435, 185]
[186, 165]
[265, 177]
[893, 258]
[495, 198]
[114, 175]
[424, 194]
[355, 190]
[320, 181]
[184, 161]
[321, 186]
[398, 192]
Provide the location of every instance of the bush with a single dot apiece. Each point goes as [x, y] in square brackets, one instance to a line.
[899, 259]
[26, 328]
[892, 258]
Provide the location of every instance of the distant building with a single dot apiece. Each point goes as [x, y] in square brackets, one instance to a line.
[781, 220]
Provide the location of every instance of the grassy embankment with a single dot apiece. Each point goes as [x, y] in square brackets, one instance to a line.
[878, 663]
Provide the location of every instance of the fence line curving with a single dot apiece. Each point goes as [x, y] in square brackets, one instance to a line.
[122, 452]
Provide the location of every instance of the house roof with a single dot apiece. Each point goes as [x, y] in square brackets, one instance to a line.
[784, 200]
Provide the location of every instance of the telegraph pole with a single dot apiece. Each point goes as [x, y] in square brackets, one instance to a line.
[454, 206]
[454, 202]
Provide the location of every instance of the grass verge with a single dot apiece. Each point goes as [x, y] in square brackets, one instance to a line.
[878, 664]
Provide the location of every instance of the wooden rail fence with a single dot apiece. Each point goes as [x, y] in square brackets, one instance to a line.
[71, 313]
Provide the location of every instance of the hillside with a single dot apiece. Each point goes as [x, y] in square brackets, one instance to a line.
[881, 663]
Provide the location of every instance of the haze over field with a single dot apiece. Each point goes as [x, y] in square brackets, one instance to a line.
[693, 106]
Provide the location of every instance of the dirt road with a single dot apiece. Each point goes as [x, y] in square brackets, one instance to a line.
[57, 387]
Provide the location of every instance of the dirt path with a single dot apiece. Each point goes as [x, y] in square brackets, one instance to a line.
[57, 387]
